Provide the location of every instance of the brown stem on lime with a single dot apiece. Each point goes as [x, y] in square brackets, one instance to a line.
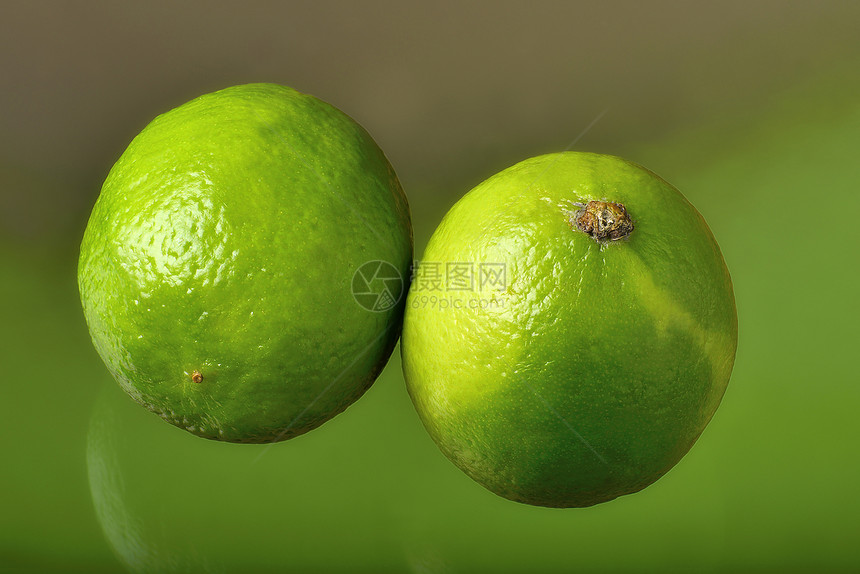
[196, 377]
[603, 220]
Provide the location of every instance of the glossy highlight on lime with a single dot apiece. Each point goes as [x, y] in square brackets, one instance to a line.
[216, 268]
[599, 359]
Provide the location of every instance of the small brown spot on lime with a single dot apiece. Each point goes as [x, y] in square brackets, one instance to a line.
[196, 377]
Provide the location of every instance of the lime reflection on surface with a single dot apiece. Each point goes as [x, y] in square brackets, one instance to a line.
[168, 501]
[125, 532]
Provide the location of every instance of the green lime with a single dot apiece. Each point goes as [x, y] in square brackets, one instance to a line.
[242, 270]
[570, 331]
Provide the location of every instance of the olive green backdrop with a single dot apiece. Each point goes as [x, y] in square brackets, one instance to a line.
[751, 108]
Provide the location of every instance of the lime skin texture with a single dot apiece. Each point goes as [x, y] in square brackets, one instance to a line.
[600, 361]
[216, 269]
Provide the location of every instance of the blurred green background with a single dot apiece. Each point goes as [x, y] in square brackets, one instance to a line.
[751, 108]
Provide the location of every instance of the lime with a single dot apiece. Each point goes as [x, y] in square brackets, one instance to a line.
[218, 268]
[570, 331]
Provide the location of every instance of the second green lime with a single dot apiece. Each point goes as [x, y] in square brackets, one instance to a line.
[243, 269]
[570, 331]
